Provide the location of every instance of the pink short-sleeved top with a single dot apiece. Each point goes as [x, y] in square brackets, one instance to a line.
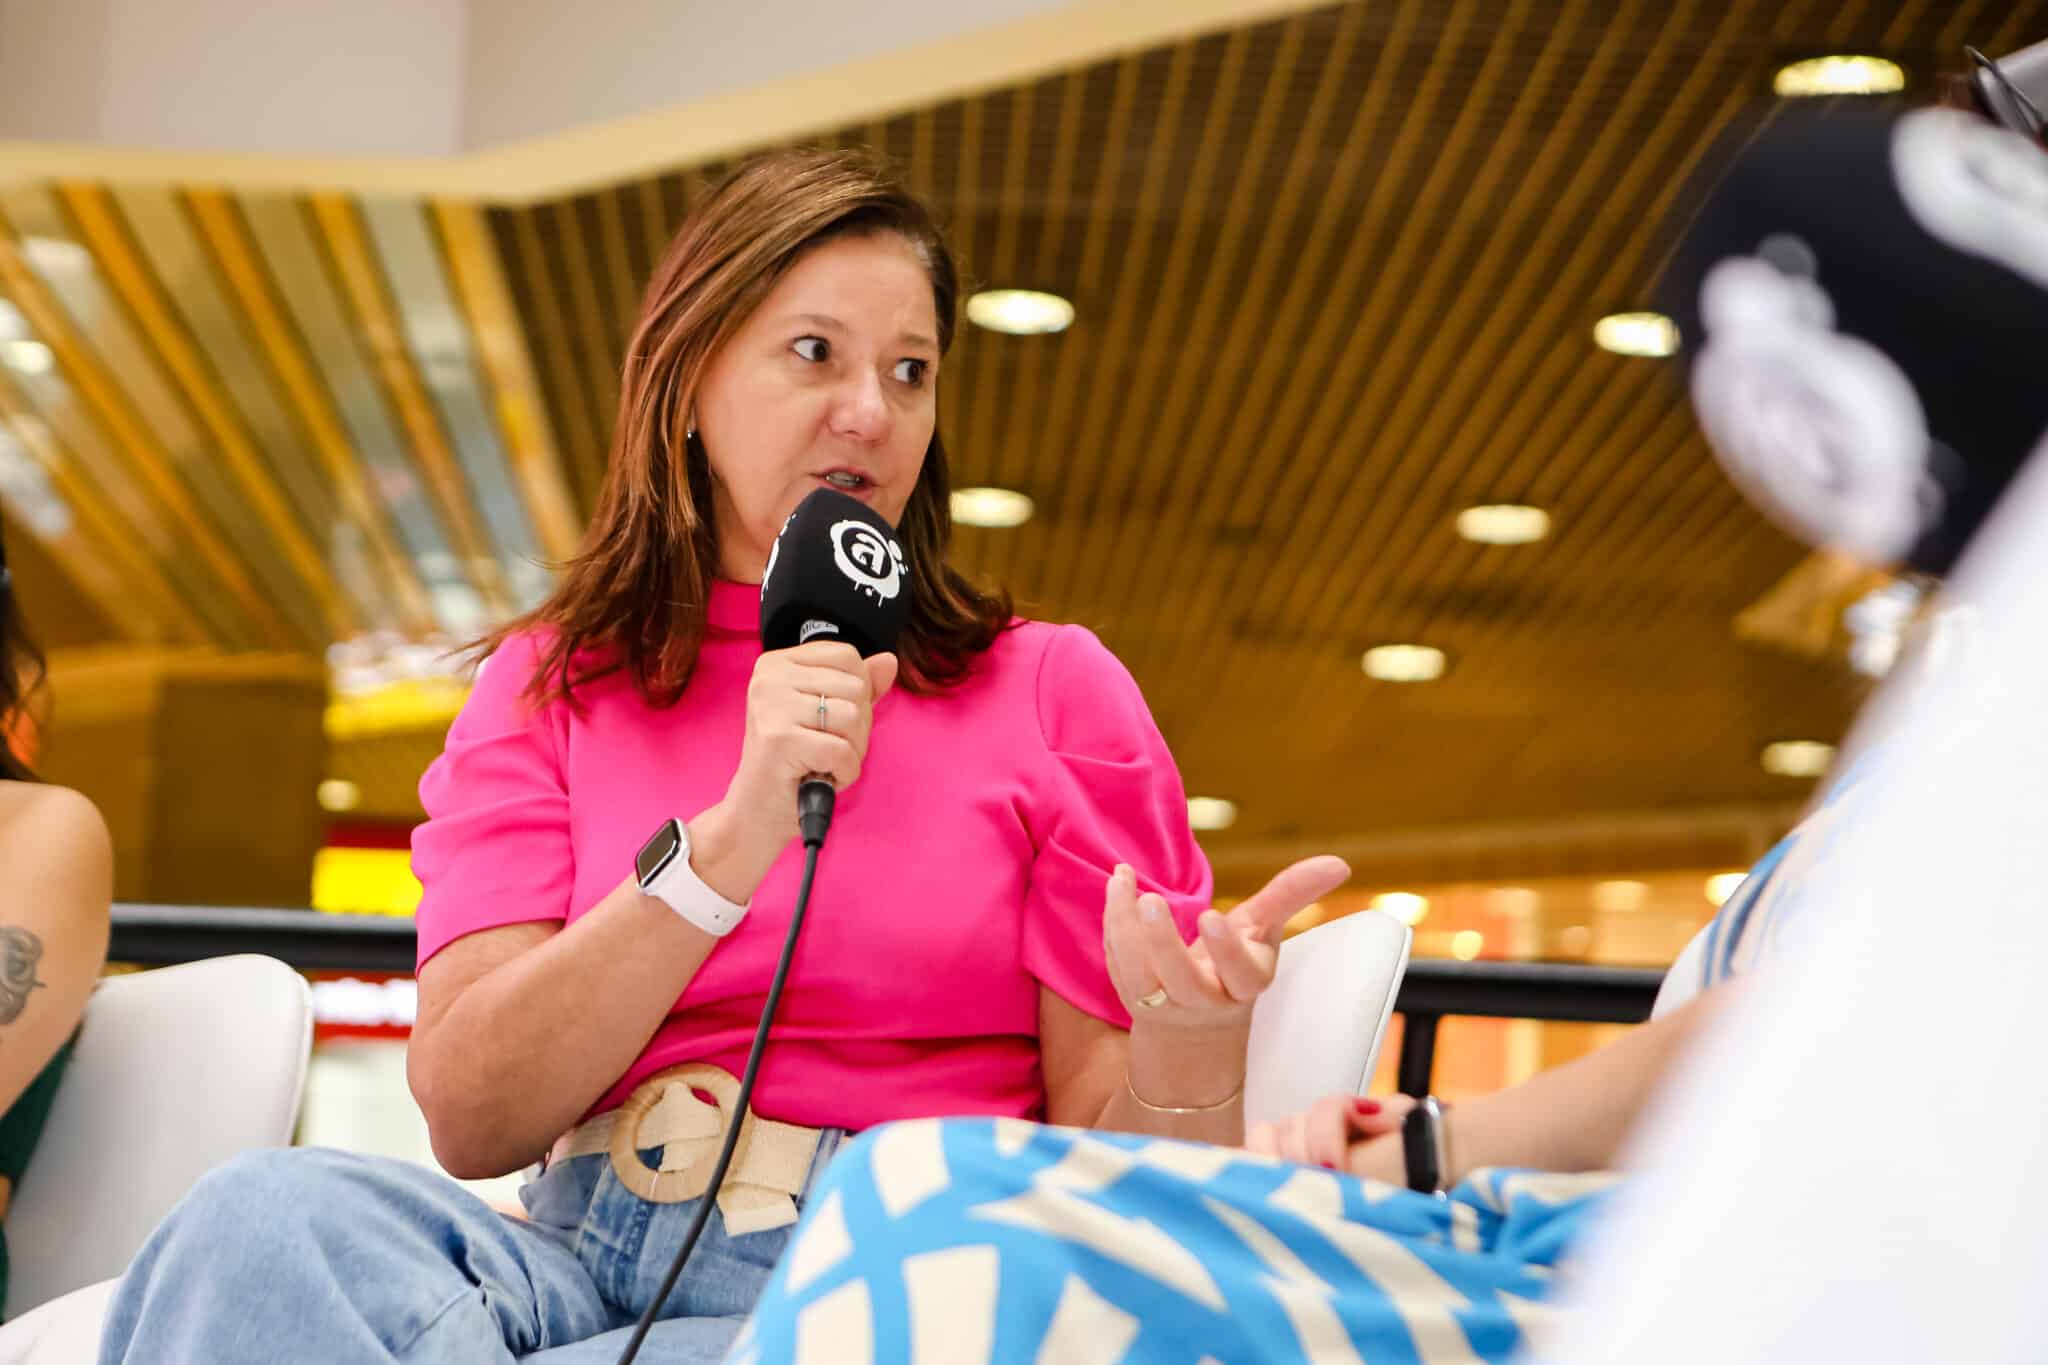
[964, 869]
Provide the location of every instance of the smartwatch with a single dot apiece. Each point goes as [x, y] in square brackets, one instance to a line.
[1422, 1147]
[663, 870]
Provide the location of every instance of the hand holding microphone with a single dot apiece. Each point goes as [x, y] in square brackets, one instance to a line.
[834, 598]
[810, 711]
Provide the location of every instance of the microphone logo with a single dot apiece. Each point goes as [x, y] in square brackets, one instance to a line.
[870, 560]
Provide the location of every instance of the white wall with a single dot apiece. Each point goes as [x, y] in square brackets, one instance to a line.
[362, 78]
[537, 66]
[417, 78]
[508, 101]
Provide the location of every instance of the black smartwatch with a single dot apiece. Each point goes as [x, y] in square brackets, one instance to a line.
[1423, 1150]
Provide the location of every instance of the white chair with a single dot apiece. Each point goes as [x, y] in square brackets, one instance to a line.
[1317, 1030]
[176, 1070]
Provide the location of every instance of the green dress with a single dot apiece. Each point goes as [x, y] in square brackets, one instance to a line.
[20, 1126]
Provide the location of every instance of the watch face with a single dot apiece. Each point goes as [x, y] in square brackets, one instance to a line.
[658, 852]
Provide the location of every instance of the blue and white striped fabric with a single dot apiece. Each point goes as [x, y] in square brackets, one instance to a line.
[970, 1240]
[1772, 900]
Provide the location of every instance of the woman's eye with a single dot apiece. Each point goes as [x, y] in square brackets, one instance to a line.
[811, 348]
[912, 371]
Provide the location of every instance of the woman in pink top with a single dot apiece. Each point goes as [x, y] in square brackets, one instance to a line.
[1009, 880]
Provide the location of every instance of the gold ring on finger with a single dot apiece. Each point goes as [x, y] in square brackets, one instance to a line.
[1152, 1000]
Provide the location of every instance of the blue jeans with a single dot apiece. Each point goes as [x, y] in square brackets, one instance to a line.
[309, 1254]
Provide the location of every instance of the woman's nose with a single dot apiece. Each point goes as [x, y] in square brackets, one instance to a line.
[862, 411]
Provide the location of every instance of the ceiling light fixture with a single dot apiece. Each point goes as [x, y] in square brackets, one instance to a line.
[1503, 523]
[1839, 75]
[1211, 812]
[997, 507]
[1466, 944]
[1798, 757]
[1404, 663]
[1020, 312]
[339, 795]
[29, 357]
[1639, 334]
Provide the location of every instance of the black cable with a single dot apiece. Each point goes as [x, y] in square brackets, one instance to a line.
[814, 819]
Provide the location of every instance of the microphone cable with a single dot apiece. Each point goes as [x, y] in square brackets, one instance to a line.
[815, 799]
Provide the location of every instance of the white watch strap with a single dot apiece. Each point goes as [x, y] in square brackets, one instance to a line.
[683, 891]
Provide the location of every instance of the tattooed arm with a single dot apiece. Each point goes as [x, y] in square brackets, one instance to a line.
[56, 890]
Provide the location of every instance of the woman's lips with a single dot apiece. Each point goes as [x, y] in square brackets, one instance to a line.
[865, 490]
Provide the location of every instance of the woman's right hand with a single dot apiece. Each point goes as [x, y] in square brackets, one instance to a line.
[1323, 1134]
[785, 743]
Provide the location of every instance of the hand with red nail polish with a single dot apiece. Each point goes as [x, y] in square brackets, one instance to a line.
[1325, 1134]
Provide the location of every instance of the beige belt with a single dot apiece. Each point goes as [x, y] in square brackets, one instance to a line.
[769, 1166]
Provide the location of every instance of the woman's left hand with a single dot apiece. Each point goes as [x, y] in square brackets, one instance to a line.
[1211, 983]
[1326, 1133]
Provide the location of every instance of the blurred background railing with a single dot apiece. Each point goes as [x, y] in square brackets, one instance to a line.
[158, 935]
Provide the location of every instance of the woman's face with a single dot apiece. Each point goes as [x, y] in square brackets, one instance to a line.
[831, 383]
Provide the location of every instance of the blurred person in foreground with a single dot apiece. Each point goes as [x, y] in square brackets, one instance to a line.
[56, 894]
[1867, 298]
[1008, 816]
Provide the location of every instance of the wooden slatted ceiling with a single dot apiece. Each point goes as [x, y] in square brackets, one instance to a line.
[1335, 277]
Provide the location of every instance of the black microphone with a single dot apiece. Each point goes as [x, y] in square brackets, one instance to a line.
[837, 572]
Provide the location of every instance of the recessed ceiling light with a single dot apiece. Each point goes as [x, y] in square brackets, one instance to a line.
[1405, 906]
[1620, 896]
[1404, 663]
[1798, 757]
[339, 795]
[1020, 312]
[30, 357]
[1643, 334]
[999, 507]
[1840, 75]
[1504, 523]
[1466, 944]
[1211, 812]
[1722, 885]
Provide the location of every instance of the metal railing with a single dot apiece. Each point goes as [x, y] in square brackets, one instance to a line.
[1561, 991]
[157, 935]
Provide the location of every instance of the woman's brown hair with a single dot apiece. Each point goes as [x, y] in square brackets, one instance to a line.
[637, 590]
[21, 674]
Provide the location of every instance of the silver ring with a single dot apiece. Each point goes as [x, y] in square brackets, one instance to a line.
[821, 711]
[1152, 1000]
